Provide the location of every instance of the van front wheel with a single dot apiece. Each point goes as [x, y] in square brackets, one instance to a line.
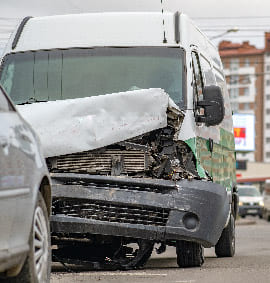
[189, 254]
[225, 246]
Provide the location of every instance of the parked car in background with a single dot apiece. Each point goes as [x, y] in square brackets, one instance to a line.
[250, 201]
[25, 201]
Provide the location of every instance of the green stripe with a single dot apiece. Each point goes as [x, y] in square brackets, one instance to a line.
[220, 164]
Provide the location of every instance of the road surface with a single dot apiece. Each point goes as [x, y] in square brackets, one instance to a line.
[250, 264]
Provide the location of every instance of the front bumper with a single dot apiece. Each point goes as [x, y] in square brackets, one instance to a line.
[158, 210]
[250, 210]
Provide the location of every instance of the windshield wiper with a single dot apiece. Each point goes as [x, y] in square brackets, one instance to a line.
[31, 100]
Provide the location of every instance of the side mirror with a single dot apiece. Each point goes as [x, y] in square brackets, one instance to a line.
[213, 105]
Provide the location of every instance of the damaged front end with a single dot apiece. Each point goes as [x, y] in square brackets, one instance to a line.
[135, 189]
[144, 190]
[156, 154]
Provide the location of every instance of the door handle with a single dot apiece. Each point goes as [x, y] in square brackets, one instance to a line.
[211, 145]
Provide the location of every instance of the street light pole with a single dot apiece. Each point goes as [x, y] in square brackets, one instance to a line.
[235, 29]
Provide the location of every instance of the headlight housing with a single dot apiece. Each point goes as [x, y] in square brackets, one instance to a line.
[240, 203]
[261, 203]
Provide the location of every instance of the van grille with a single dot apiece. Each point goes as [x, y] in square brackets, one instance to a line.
[111, 212]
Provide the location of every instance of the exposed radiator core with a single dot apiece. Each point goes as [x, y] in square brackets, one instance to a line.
[100, 162]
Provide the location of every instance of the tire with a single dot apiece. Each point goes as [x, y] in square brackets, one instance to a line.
[189, 254]
[39, 242]
[225, 246]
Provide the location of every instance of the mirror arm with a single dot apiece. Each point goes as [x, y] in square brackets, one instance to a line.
[200, 119]
[204, 103]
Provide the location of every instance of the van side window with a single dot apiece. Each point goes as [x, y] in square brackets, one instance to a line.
[207, 72]
[5, 106]
[197, 77]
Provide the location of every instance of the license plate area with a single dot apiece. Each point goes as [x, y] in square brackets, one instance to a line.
[254, 210]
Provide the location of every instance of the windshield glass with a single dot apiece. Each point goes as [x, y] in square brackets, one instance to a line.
[249, 192]
[73, 73]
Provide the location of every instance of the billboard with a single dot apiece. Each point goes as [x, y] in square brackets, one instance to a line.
[244, 132]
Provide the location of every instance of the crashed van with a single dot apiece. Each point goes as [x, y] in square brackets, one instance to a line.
[133, 114]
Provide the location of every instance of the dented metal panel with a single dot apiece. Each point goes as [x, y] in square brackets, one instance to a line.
[94, 122]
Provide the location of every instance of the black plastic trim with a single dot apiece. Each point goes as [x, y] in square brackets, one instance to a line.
[176, 28]
[142, 182]
[208, 201]
[19, 31]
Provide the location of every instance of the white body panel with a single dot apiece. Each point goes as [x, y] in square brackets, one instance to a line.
[96, 29]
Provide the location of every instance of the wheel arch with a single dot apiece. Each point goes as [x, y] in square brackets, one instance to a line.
[45, 190]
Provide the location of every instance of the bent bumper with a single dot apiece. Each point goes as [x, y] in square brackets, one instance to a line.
[140, 208]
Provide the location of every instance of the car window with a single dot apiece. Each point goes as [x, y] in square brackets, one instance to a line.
[249, 192]
[197, 84]
[197, 75]
[209, 77]
[83, 72]
[5, 105]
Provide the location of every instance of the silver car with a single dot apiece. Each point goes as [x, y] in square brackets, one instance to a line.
[25, 201]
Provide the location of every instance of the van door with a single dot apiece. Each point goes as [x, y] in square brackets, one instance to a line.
[214, 133]
[203, 146]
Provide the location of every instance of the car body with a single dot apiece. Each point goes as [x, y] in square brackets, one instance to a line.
[250, 201]
[25, 198]
[135, 122]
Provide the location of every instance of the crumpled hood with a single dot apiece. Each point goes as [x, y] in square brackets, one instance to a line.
[82, 124]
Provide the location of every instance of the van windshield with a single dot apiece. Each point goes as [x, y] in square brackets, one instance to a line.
[248, 192]
[74, 73]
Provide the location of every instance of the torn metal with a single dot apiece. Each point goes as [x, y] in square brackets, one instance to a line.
[155, 154]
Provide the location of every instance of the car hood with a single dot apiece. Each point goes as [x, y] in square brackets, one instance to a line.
[250, 199]
[82, 124]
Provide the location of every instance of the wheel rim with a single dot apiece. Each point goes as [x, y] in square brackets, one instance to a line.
[40, 243]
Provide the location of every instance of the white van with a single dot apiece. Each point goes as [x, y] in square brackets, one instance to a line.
[134, 118]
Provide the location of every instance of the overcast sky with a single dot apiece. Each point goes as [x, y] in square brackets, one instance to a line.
[212, 16]
[195, 8]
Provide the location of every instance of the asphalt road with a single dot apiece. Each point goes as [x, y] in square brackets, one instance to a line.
[250, 264]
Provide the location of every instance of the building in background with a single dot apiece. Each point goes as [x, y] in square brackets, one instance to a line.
[266, 110]
[244, 69]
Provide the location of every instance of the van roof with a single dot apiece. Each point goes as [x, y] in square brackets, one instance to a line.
[98, 29]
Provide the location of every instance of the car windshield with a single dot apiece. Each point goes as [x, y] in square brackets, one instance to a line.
[248, 192]
[72, 73]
